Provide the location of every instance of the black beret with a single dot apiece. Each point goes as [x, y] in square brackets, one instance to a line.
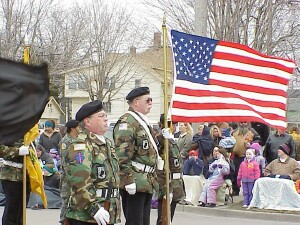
[72, 124]
[88, 109]
[137, 92]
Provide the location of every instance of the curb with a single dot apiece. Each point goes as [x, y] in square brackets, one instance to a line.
[222, 211]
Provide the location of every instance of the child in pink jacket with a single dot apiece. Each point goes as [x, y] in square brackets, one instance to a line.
[248, 173]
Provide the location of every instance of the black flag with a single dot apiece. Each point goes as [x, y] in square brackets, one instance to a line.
[24, 93]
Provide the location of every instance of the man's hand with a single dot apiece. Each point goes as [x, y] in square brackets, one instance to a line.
[170, 197]
[24, 150]
[131, 188]
[102, 216]
[167, 133]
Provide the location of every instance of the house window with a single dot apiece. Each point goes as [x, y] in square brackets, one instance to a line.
[110, 83]
[107, 107]
[137, 83]
[49, 105]
[77, 82]
[72, 83]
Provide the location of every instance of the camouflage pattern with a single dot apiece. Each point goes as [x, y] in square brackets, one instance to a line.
[11, 153]
[91, 164]
[133, 144]
[175, 165]
[64, 184]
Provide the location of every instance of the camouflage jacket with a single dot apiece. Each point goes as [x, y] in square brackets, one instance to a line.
[175, 167]
[133, 145]
[64, 184]
[11, 153]
[91, 166]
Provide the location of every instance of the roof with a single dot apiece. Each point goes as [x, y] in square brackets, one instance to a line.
[52, 99]
[153, 59]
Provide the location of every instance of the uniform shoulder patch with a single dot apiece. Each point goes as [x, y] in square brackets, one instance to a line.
[123, 126]
[79, 147]
[79, 158]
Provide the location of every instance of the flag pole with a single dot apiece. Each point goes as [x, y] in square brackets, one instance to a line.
[166, 141]
[26, 61]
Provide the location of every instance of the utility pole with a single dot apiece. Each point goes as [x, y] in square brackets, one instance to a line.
[269, 24]
[201, 15]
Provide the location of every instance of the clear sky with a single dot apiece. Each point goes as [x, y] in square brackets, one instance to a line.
[137, 7]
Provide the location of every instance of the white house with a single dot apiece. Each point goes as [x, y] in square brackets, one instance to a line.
[52, 111]
[144, 69]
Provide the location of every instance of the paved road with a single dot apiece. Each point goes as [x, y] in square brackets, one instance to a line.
[50, 217]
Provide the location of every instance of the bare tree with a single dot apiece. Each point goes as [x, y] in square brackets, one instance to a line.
[109, 32]
[179, 13]
[59, 42]
[20, 17]
[269, 26]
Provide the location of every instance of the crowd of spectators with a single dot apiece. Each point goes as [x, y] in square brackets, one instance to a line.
[252, 151]
[233, 153]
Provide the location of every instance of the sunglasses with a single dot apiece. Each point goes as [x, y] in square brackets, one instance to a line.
[148, 100]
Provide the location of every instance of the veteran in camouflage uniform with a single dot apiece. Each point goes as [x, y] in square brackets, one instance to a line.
[177, 192]
[92, 171]
[138, 158]
[11, 175]
[73, 130]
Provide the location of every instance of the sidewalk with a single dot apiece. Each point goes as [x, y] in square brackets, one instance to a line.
[235, 210]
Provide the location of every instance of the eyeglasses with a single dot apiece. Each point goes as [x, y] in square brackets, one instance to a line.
[148, 100]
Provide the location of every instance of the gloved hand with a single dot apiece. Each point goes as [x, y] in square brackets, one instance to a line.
[102, 216]
[214, 166]
[285, 177]
[272, 175]
[131, 188]
[24, 150]
[170, 197]
[220, 166]
[167, 133]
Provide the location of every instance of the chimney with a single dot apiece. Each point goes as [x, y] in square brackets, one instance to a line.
[133, 50]
[157, 40]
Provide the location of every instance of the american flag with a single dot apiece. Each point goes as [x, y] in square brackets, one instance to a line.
[218, 81]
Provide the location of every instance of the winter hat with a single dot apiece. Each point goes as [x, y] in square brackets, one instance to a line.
[53, 151]
[49, 124]
[256, 146]
[226, 132]
[251, 151]
[285, 148]
[193, 153]
[227, 142]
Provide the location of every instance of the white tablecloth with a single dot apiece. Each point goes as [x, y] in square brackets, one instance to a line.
[193, 188]
[275, 193]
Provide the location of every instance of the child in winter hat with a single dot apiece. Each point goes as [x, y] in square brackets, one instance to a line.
[258, 156]
[248, 173]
